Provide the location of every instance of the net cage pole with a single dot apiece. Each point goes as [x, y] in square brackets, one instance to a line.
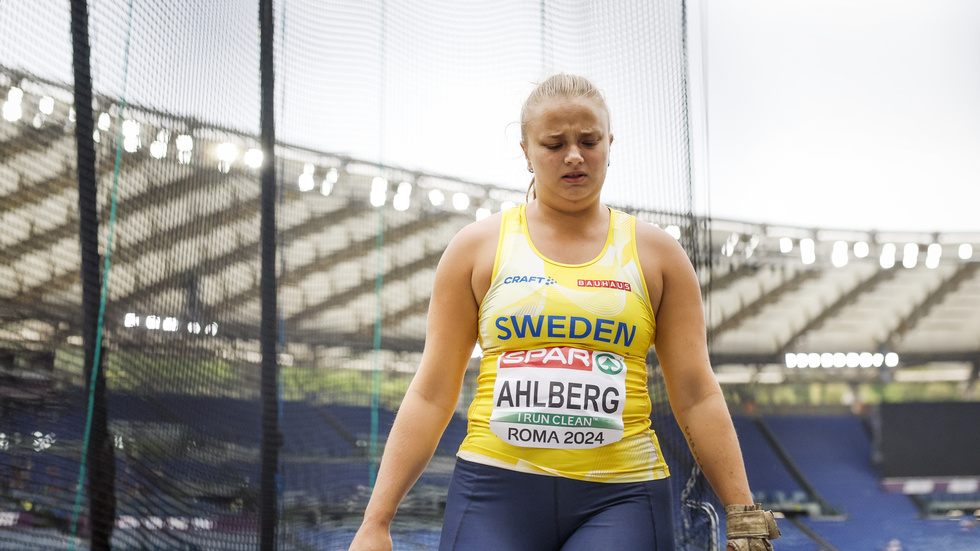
[271, 436]
[99, 455]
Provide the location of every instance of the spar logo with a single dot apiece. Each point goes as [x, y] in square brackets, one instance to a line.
[529, 279]
[610, 364]
[604, 284]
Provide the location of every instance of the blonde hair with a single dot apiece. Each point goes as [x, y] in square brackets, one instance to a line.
[560, 85]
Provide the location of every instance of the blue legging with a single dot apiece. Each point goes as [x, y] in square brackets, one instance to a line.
[499, 509]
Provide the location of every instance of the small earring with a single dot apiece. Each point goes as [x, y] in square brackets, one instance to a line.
[530, 169]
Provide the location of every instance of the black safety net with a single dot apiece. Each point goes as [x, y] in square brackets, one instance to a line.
[141, 361]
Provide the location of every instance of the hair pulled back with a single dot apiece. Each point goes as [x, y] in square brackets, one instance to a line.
[563, 86]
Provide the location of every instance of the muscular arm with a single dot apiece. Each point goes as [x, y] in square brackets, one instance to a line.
[695, 396]
[451, 332]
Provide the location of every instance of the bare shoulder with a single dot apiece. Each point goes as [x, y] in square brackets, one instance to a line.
[663, 260]
[652, 239]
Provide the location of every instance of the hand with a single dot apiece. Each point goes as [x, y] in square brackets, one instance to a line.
[749, 528]
[371, 539]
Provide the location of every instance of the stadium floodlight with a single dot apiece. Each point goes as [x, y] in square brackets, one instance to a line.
[305, 180]
[329, 179]
[131, 136]
[482, 212]
[105, 121]
[13, 108]
[791, 360]
[674, 231]
[785, 245]
[211, 329]
[184, 143]
[379, 191]
[853, 359]
[131, 320]
[839, 254]
[253, 158]
[226, 153]
[728, 248]
[403, 196]
[749, 247]
[194, 327]
[153, 322]
[910, 255]
[887, 259]
[170, 324]
[461, 201]
[401, 201]
[877, 359]
[46, 105]
[826, 360]
[934, 254]
[813, 359]
[891, 359]
[437, 197]
[865, 359]
[861, 249]
[965, 251]
[185, 147]
[808, 252]
[158, 149]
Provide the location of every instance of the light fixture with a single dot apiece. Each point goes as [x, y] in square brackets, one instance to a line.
[305, 181]
[253, 158]
[12, 108]
[379, 191]
[965, 251]
[934, 254]
[437, 197]
[861, 249]
[910, 255]
[785, 245]
[839, 254]
[808, 252]
[461, 201]
[185, 148]
[46, 105]
[328, 181]
[887, 259]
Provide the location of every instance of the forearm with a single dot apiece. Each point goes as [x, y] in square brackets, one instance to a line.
[708, 427]
[412, 441]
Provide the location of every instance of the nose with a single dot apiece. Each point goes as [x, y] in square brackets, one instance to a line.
[574, 155]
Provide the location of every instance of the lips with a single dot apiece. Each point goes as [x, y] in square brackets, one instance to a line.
[574, 176]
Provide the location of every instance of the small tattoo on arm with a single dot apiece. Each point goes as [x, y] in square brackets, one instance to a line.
[690, 442]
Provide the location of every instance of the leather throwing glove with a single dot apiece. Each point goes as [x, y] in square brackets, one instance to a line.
[749, 528]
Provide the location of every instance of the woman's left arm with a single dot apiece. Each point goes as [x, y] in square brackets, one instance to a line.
[681, 346]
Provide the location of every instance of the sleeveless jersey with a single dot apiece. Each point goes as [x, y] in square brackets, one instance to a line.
[562, 388]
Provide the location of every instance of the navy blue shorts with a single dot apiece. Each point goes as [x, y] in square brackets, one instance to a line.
[494, 508]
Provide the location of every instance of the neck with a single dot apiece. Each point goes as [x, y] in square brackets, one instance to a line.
[572, 222]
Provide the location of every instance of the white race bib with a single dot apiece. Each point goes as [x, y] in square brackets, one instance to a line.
[560, 397]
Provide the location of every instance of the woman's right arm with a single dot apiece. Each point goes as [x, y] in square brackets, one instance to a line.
[429, 403]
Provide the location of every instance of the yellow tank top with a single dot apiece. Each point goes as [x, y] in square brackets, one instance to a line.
[562, 388]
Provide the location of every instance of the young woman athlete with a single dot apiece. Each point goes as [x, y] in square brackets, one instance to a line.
[565, 297]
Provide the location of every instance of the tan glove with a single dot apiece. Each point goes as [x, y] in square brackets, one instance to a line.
[749, 528]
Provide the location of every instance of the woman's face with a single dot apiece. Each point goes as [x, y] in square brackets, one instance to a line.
[567, 144]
